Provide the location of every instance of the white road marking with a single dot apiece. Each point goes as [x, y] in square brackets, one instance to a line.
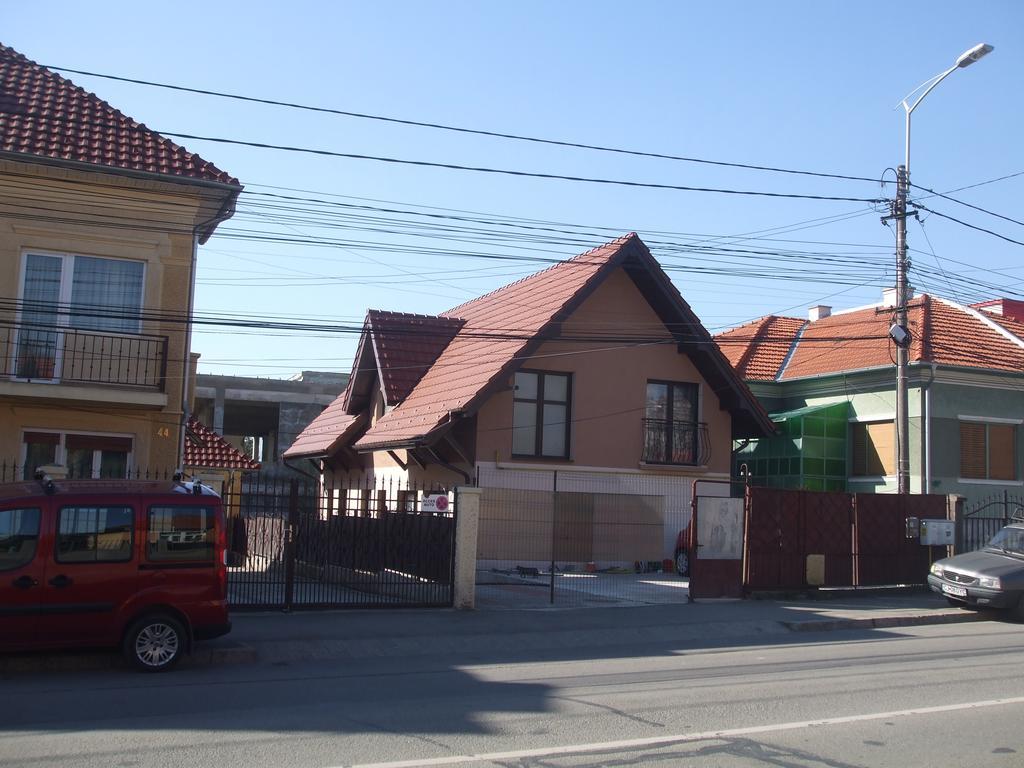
[664, 741]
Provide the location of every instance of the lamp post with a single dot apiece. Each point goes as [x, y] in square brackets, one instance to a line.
[899, 212]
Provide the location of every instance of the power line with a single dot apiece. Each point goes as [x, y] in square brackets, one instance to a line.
[457, 129]
[969, 226]
[470, 168]
[968, 205]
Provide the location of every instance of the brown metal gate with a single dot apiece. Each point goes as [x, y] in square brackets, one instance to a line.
[800, 539]
[784, 527]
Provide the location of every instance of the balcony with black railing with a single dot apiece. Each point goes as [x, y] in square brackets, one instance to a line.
[685, 443]
[57, 355]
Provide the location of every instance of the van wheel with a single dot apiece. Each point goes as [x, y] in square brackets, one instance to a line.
[683, 562]
[154, 643]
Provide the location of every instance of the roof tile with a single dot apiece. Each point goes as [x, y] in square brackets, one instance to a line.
[324, 431]
[942, 332]
[406, 346]
[758, 349]
[205, 448]
[43, 114]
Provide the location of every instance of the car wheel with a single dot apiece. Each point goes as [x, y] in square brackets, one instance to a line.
[683, 562]
[155, 643]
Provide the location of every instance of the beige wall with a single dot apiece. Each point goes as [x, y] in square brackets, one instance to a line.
[609, 385]
[93, 203]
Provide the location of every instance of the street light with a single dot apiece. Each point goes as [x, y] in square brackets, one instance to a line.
[899, 331]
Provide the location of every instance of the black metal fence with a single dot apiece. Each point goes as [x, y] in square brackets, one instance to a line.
[52, 353]
[295, 545]
[579, 539]
[11, 472]
[981, 521]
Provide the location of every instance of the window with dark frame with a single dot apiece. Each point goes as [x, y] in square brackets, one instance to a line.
[988, 451]
[541, 414]
[94, 535]
[670, 423]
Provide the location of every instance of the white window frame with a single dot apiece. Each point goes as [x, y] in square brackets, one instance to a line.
[62, 322]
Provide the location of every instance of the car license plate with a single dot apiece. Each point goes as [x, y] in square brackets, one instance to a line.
[949, 589]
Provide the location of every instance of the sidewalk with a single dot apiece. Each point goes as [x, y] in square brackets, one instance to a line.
[491, 636]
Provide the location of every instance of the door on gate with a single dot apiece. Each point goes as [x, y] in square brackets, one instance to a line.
[716, 570]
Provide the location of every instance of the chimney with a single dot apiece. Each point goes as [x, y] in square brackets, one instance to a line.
[889, 296]
[1006, 307]
[819, 312]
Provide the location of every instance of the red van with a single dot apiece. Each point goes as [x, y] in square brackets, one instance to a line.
[140, 564]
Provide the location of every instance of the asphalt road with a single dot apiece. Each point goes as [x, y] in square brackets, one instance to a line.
[918, 696]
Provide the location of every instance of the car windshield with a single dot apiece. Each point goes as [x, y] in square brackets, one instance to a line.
[1009, 540]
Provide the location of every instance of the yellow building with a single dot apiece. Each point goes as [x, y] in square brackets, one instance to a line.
[100, 220]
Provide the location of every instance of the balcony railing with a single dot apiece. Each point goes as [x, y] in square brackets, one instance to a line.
[52, 354]
[676, 442]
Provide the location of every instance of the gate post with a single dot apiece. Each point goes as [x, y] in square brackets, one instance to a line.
[955, 512]
[467, 525]
[289, 543]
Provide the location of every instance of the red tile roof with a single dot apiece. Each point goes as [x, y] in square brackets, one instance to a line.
[406, 346]
[206, 449]
[44, 115]
[757, 350]
[942, 332]
[325, 432]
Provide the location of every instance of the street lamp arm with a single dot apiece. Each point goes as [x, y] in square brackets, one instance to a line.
[928, 85]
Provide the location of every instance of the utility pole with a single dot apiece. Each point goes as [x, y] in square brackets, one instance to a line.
[900, 332]
[899, 212]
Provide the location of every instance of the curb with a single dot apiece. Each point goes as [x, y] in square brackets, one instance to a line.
[84, 661]
[884, 622]
[225, 653]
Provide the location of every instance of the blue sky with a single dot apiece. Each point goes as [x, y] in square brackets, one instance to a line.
[800, 85]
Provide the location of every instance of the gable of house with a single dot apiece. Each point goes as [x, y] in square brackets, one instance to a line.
[495, 333]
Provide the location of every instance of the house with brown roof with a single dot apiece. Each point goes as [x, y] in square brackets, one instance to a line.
[830, 382]
[594, 372]
[100, 219]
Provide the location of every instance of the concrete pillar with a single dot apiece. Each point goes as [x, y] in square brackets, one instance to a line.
[218, 411]
[467, 525]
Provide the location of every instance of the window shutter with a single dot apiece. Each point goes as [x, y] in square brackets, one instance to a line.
[881, 449]
[44, 438]
[972, 450]
[1002, 452]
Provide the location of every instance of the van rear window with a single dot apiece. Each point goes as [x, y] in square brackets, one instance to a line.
[94, 535]
[181, 534]
[19, 531]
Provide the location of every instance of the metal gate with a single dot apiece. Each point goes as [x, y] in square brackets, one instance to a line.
[294, 546]
[799, 539]
[981, 522]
